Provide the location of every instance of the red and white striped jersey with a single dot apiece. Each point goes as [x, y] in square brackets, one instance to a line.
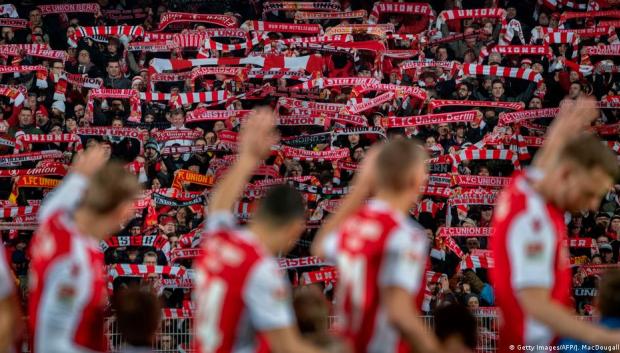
[6, 278]
[240, 291]
[67, 283]
[529, 250]
[375, 248]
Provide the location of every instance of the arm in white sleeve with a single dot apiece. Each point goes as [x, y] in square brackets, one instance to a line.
[66, 196]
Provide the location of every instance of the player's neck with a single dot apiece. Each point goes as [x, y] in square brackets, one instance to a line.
[266, 237]
[90, 224]
[396, 201]
[544, 187]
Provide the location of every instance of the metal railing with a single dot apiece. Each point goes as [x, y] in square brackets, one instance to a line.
[176, 335]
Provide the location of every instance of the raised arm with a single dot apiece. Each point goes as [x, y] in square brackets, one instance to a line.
[572, 119]
[68, 195]
[361, 188]
[256, 138]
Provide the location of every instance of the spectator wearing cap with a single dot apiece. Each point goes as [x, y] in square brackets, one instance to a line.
[607, 253]
[602, 219]
[613, 230]
[42, 119]
[153, 165]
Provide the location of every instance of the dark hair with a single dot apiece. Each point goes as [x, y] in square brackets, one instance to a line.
[113, 61]
[588, 152]
[609, 300]
[138, 315]
[396, 157]
[281, 205]
[26, 108]
[455, 319]
[497, 80]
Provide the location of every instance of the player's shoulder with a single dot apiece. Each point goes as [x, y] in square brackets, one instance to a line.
[514, 200]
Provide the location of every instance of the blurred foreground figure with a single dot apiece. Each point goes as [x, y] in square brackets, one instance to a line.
[67, 282]
[381, 253]
[532, 277]
[138, 314]
[242, 299]
[10, 315]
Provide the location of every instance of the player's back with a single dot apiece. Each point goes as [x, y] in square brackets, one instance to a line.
[230, 281]
[529, 251]
[376, 248]
[67, 288]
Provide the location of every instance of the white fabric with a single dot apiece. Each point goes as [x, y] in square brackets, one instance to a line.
[531, 241]
[59, 314]
[66, 196]
[6, 279]
[268, 298]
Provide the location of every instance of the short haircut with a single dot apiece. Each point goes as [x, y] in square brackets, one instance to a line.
[138, 314]
[588, 152]
[109, 188]
[151, 254]
[281, 205]
[395, 159]
[26, 109]
[609, 300]
[497, 80]
[455, 319]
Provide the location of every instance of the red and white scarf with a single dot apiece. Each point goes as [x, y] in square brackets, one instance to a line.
[22, 141]
[516, 50]
[449, 15]
[135, 114]
[431, 119]
[133, 270]
[156, 241]
[492, 70]
[282, 27]
[516, 117]
[427, 206]
[328, 108]
[473, 181]
[415, 8]
[318, 156]
[107, 31]
[287, 6]
[564, 38]
[14, 22]
[92, 7]
[569, 15]
[15, 211]
[438, 103]
[169, 18]
[30, 181]
[311, 15]
[310, 63]
[474, 197]
[186, 176]
[185, 254]
[7, 160]
[465, 232]
[56, 169]
[83, 81]
[288, 263]
[475, 262]
[112, 131]
[214, 115]
[605, 50]
[16, 97]
[367, 103]
[169, 135]
[41, 72]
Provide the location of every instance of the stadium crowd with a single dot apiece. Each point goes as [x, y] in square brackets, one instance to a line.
[164, 86]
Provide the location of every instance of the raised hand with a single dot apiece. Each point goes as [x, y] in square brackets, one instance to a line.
[90, 161]
[258, 134]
